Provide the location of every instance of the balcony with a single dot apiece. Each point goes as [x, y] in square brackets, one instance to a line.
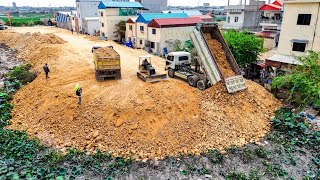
[275, 22]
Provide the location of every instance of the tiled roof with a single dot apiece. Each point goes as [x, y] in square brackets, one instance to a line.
[175, 22]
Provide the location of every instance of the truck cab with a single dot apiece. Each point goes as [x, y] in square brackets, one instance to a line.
[174, 60]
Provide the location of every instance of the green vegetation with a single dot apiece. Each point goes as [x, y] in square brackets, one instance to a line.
[121, 30]
[245, 47]
[303, 83]
[26, 19]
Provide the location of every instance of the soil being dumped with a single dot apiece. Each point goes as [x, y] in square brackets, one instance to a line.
[220, 56]
[106, 52]
[128, 117]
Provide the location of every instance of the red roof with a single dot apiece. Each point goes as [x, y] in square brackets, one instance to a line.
[278, 2]
[174, 22]
[275, 6]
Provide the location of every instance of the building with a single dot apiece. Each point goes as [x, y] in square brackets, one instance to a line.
[142, 26]
[131, 30]
[243, 15]
[271, 23]
[91, 26]
[154, 6]
[176, 29]
[300, 31]
[63, 20]
[14, 5]
[88, 8]
[111, 13]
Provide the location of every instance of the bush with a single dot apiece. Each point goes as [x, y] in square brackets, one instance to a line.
[22, 74]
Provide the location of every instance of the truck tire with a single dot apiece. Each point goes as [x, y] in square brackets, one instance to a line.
[171, 73]
[193, 80]
[201, 85]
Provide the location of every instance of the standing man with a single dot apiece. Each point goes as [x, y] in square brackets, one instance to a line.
[78, 90]
[46, 70]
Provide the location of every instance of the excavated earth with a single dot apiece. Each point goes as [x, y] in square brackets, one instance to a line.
[127, 117]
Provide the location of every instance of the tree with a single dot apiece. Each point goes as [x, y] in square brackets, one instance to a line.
[121, 29]
[245, 47]
[303, 82]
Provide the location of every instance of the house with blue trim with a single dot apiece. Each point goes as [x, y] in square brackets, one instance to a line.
[111, 13]
[140, 39]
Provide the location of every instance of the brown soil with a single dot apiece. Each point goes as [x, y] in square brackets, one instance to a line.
[220, 56]
[129, 117]
[106, 52]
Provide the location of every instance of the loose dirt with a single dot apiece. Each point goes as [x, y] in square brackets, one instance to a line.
[128, 117]
[220, 56]
[106, 52]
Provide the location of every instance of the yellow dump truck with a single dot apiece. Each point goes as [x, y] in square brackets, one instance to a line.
[107, 64]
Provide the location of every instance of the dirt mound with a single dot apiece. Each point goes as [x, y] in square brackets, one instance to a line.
[220, 56]
[129, 117]
[106, 52]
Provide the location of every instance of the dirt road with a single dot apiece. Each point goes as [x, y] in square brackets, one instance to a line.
[129, 117]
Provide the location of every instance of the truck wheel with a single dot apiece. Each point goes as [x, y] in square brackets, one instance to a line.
[192, 80]
[201, 85]
[171, 73]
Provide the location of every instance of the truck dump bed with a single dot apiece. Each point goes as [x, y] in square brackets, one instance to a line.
[106, 58]
[216, 58]
[107, 63]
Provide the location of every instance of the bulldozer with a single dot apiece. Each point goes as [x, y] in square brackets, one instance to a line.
[146, 72]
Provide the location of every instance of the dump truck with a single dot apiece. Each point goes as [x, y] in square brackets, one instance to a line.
[107, 64]
[206, 72]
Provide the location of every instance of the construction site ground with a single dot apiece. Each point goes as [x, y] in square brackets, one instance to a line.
[127, 117]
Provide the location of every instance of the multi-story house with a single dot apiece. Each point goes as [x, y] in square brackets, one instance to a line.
[243, 15]
[300, 31]
[111, 13]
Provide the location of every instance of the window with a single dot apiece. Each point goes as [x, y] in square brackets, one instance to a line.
[102, 24]
[130, 27]
[183, 58]
[304, 19]
[228, 20]
[300, 47]
[79, 16]
[154, 31]
[170, 58]
[140, 41]
[236, 19]
[152, 45]
[101, 14]
[141, 28]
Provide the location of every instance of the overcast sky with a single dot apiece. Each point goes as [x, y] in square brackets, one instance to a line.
[47, 3]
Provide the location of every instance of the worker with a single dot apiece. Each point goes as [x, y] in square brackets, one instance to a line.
[145, 64]
[46, 70]
[78, 90]
[72, 30]
[262, 76]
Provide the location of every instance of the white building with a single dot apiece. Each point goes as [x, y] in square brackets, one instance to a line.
[243, 16]
[173, 29]
[91, 25]
[88, 8]
[154, 6]
[111, 13]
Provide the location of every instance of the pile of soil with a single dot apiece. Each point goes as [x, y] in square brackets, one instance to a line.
[107, 52]
[129, 117]
[220, 56]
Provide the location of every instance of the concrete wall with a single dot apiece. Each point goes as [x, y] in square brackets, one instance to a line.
[290, 30]
[269, 43]
[91, 26]
[251, 20]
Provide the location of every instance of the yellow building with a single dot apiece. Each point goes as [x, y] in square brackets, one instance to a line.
[300, 31]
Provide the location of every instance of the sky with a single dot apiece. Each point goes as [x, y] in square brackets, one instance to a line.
[55, 3]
